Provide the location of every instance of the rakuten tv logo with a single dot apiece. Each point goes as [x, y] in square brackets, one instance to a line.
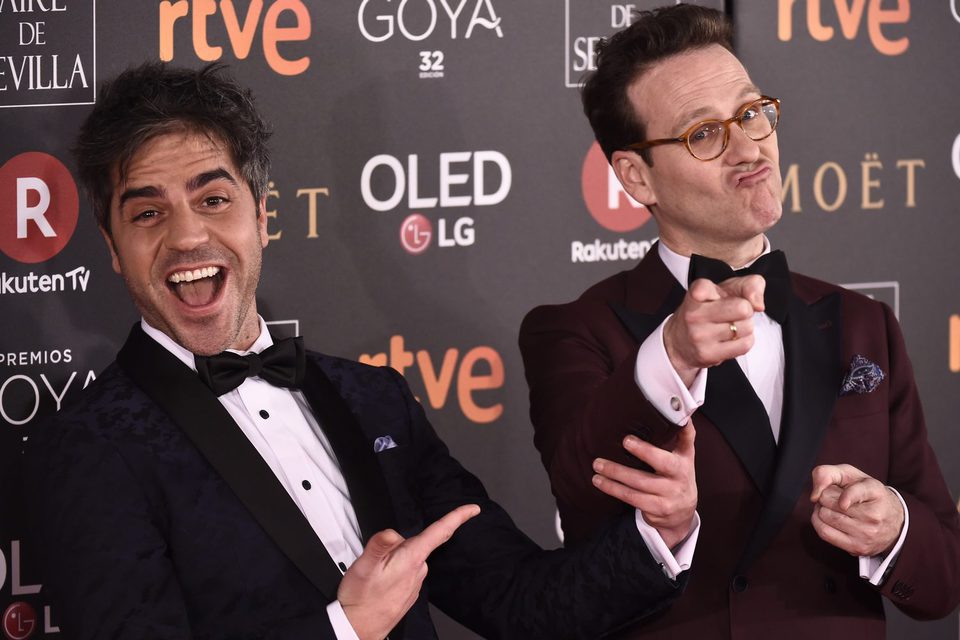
[464, 179]
[611, 206]
[39, 207]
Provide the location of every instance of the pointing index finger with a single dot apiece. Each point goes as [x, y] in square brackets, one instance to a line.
[749, 288]
[424, 543]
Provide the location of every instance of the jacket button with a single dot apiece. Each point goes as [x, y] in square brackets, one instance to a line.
[830, 585]
[739, 584]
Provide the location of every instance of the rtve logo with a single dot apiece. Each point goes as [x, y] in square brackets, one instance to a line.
[39, 207]
[611, 206]
[480, 369]
[465, 179]
[850, 14]
[379, 20]
[240, 32]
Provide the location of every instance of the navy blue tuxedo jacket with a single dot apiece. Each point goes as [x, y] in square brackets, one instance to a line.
[157, 519]
[759, 570]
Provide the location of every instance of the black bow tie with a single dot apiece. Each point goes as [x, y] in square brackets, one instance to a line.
[282, 365]
[773, 268]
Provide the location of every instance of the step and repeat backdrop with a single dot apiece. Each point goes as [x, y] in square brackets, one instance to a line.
[434, 179]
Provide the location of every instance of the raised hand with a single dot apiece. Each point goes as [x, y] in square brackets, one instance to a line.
[698, 335]
[384, 582]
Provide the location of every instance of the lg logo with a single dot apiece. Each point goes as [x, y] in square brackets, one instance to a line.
[39, 207]
[466, 179]
[416, 233]
[19, 621]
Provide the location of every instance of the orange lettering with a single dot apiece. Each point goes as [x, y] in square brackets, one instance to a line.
[272, 34]
[467, 383]
[375, 360]
[878, 17]
[170, 12]
[785, 19]
[816, 27]
[241, 38]
[438, 386]
[400, 358]
[850, 17]
[955, 343]
[201, 10]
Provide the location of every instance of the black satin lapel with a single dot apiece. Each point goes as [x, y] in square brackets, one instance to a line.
[734, 408]
[191, 405]
[641, 325]
[813, 374]
[358, 462]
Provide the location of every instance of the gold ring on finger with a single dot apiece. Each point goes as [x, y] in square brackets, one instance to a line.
[733, 331]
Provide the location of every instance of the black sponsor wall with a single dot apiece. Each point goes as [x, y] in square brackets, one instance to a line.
[434, 179]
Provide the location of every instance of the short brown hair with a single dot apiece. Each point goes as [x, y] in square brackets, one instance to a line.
[155, 99]
[628, 54]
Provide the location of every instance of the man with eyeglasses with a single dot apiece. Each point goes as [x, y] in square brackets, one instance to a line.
[818, 490]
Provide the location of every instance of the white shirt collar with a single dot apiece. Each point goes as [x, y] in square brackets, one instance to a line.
[679, 265]
[186, 357]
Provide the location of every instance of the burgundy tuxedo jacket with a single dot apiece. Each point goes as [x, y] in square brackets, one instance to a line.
[759, 570]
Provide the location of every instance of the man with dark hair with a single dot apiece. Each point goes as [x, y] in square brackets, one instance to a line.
[213, 483]
[818, 490]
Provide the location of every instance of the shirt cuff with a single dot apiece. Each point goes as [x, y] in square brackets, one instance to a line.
[680, 558]
[662, 386]
[338, 620]
[875, 568]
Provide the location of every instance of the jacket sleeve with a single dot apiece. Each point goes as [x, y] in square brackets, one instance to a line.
[583, 401]
[492, 578]
[925, 581]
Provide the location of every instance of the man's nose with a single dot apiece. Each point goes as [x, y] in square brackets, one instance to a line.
[740, 147]
[186, 230]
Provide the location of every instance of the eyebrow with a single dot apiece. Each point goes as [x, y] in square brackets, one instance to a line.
[196, 182]
[696, 115]
[205, 178]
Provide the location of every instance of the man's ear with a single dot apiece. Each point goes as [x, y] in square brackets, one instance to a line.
[113, 252]
[262, 221]
[635, 176]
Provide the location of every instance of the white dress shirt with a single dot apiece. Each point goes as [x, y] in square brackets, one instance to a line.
[763, 366]
[282, 427]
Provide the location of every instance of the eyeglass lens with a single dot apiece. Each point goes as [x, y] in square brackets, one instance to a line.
[758, 121]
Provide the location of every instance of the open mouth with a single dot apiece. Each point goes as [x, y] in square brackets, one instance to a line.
[197, 287]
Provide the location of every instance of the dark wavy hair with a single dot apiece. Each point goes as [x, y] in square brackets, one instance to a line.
[154, 99]
[628, 54]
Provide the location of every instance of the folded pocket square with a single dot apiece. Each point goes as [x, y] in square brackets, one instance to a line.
[383, 443]
[864, 376]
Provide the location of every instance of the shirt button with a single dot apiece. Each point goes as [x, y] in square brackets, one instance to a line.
[306, 485]
[264, 414]
[675, 403]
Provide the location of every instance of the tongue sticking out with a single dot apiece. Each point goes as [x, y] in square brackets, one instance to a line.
[199, 292]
